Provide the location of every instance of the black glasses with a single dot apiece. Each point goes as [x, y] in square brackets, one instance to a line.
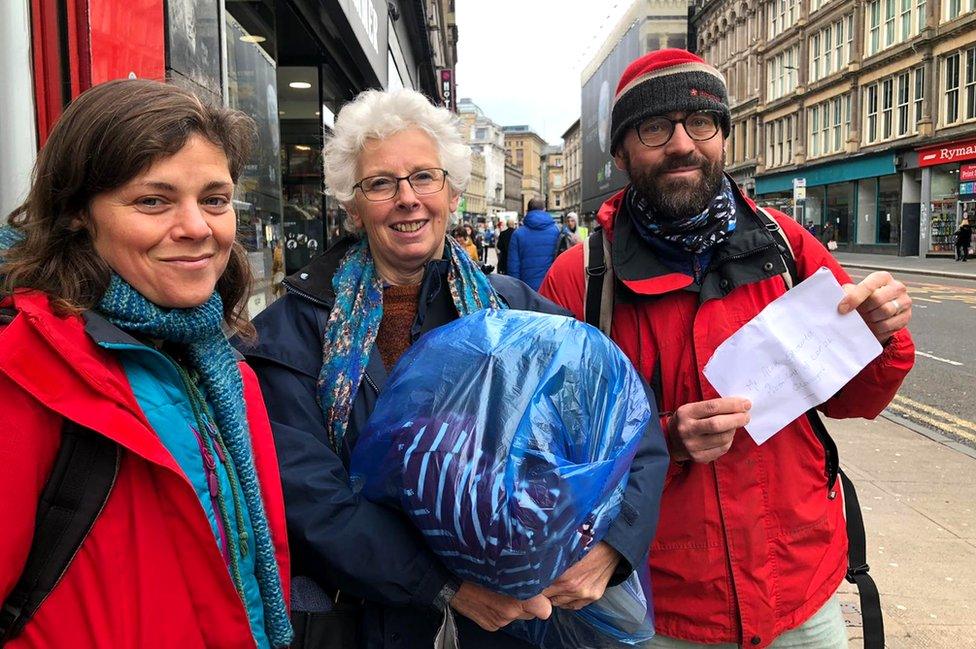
[383, 188]
[657, 131]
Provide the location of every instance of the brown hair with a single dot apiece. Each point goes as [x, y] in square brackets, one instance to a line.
[109, 135]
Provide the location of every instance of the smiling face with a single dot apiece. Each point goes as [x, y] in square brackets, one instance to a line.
[168, 232]
[408, 230]
[679, 178]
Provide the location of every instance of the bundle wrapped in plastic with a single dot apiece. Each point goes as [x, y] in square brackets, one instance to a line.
[506, 437]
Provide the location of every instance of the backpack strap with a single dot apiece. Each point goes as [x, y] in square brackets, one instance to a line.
[598, 279]
[85, 470]
[857, 562]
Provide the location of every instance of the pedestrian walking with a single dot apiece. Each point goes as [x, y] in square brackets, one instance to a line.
[828, 236]
[463, 237]
[964, 239]
[751, 545]
[534, 245]
[123, 402]
[323, 353]
[504, 242]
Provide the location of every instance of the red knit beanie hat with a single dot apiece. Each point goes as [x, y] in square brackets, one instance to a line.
[665, 81]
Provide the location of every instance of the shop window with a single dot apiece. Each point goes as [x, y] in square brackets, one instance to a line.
[840, 206]
[867, 211]
[889, 209]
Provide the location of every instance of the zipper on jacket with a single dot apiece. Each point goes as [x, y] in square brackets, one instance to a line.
[311, 298]
[210, 468]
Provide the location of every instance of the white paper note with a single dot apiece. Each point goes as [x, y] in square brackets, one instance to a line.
[797, 353]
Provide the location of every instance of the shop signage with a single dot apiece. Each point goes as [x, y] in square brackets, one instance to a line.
[966, 189]
[370, 20]
[447, 89]
[967, 173]
[945, 153]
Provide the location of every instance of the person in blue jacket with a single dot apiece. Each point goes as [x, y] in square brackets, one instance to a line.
[533, 246]
[399, 165]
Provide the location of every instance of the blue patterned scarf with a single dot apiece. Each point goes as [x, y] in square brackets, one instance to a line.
[199, 331]
[355, 320]
[696, 234]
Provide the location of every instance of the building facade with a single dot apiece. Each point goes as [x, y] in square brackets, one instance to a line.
[289, 64]
[861, 115]
[513, 189]
[573, 164]
[523, 148]
[647, 25]
[554, 173]
[473, 206]
[487, 139]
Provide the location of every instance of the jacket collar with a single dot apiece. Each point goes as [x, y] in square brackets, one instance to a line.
[751, 254]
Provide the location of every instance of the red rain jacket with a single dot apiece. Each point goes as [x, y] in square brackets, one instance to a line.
[751, 545]
[149, 574]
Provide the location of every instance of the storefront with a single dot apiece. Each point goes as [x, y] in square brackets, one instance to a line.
[864, 199]
[948, 193]
[289, 64]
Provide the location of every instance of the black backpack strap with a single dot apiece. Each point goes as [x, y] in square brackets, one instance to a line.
[857, 562]
[595, 270]
[85, 470]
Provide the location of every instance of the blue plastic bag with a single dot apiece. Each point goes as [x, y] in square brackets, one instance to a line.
[506, 437]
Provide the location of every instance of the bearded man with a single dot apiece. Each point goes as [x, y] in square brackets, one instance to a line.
[751, 545]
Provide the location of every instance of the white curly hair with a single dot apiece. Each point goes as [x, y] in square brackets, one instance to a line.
[378, 114]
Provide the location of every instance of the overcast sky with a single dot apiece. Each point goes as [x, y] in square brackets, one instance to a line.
[520, 60]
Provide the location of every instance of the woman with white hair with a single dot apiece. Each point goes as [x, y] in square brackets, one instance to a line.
[398, 165]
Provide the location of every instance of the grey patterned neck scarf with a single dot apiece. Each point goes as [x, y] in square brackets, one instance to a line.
[696, 234]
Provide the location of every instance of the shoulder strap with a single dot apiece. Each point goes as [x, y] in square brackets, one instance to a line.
[598, 279]
[857, 563]
[792, 276]
[84, 473]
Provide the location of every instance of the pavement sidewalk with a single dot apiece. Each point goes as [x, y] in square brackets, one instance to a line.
[937, 267]
[918, 498]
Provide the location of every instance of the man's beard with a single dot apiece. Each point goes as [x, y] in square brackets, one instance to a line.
[676, 199]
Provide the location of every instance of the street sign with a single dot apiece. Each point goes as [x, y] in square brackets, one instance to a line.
[799, 189]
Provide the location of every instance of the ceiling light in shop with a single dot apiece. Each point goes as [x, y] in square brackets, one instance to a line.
[252, 38]
[300, 85]
[302, 147]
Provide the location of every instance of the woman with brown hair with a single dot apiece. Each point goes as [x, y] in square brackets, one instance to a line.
[122, 277]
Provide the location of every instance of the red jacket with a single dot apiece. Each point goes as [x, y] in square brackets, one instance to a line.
[149, 574]
[751, 545]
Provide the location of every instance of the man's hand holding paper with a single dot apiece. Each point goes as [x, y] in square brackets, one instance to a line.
[805, 346]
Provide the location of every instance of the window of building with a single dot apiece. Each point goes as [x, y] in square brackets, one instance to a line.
[887, 102]
[952, 89]
[781, 71]
[816, 4]
[829, 125]
[830, 48]
[872, 111]
[896, 94]
[784, 14]
[903, 87]
[780, 136]
[890, 22]
[919, 92]
[971, 83]
[954, 8]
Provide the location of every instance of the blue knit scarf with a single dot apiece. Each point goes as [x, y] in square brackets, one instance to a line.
[355, 320]
[198, 330]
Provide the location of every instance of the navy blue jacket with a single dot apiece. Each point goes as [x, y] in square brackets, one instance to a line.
[359, 548]
[533, 248]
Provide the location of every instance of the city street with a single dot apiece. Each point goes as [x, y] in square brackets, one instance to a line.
[940, 392]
